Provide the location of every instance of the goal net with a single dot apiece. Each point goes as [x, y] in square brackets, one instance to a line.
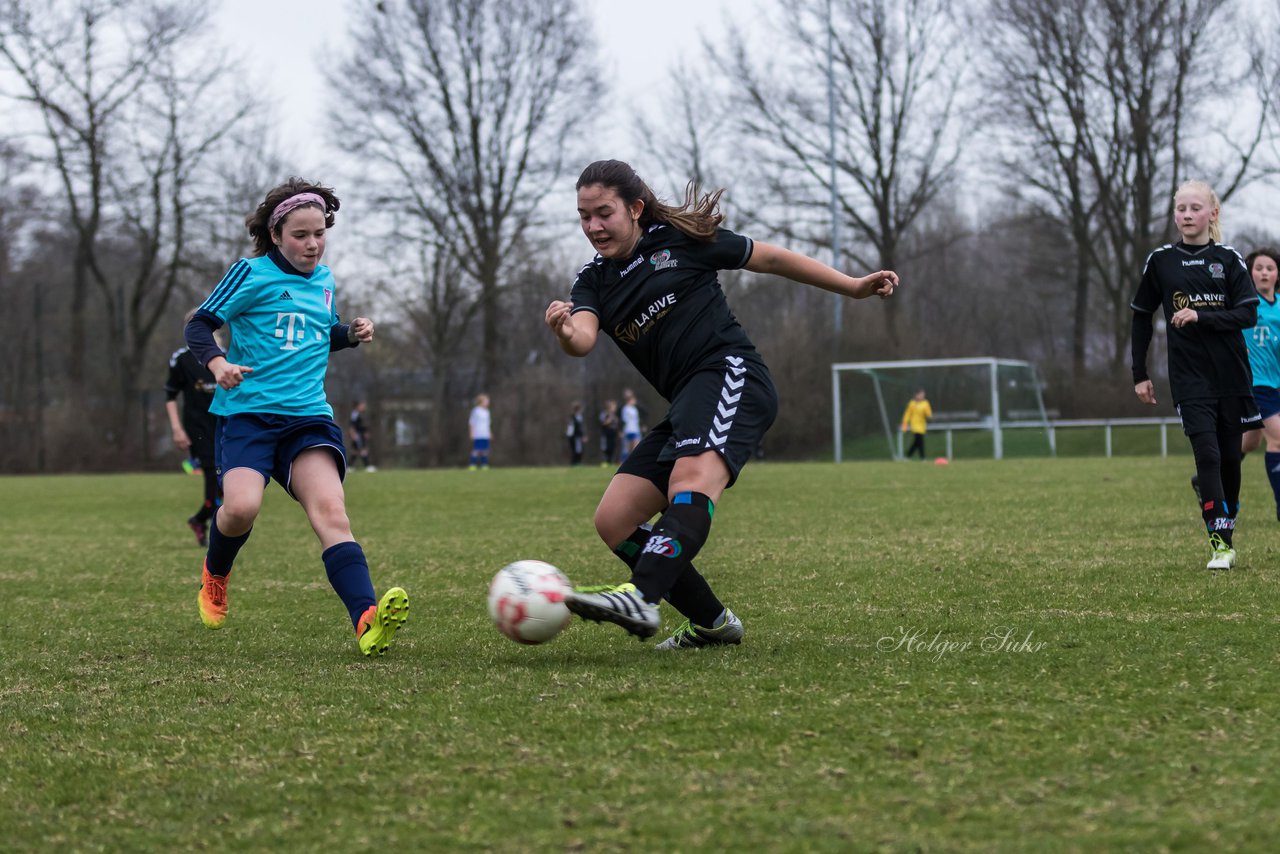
[982, 407]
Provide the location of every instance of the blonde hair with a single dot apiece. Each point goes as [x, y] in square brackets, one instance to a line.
[1215, 225]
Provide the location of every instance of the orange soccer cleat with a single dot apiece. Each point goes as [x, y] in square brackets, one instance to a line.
[212, 599]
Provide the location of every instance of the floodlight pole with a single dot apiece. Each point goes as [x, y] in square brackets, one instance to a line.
[837, 316]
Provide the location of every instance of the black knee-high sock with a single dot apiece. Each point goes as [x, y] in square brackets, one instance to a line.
[222, 549]
[675, 542]
[691, 595]
[1209, 470]
[1229, 449]
[210, 493]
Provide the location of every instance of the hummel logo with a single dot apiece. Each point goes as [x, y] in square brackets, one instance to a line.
[285, 295]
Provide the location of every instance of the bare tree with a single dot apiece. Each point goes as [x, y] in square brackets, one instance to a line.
[129, 108]
[897, 71]
[440, 314]
[465, 110]
[1107, 104]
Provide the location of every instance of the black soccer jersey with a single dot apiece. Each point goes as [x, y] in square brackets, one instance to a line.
[663, 305]
[1208, 358]
[196, 385]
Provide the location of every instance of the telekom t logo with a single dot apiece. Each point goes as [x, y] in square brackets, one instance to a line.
[294, 324]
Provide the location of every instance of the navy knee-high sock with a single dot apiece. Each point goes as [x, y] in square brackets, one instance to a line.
[675, 542]
[349, 576]
[691, 595]
[1272, 460]
[222, 549]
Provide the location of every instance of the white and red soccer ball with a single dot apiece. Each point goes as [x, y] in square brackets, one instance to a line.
[526, 601]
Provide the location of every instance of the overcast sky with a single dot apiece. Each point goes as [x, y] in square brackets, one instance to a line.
[633, 34]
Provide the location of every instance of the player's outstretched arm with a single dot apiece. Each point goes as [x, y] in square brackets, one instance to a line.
[577, 333]
[776, 261]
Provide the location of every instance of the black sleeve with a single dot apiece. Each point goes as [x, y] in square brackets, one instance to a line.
[728, 251]
[340, 337]
[585, 291]
[1231, 320]
[175, 383]
[199, 335]
[1141, 331]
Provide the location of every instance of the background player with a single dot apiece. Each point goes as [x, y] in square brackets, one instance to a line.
[274, 419]
[609, 425]
[1208, 299]
[652, 288]
[478, 427]
[1263, 342]
[358, 430]
[916, 419]
[630, 416]
[193, 429]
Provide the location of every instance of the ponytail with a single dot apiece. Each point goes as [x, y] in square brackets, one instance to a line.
[698, 217]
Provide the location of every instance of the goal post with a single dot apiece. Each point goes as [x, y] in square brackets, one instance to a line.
[979, 398]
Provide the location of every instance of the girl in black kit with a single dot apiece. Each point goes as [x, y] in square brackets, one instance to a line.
[1208, 298]
[652, 288]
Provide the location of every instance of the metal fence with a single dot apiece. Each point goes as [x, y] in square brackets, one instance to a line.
[1054, 425]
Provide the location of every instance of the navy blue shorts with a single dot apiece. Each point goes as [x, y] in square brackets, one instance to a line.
[1268, 400]
[1224, 415]
[726, 409]
[269, 444]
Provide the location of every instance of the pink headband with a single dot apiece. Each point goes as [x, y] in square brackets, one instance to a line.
[293, 203]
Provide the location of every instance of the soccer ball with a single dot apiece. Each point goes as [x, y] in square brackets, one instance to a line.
[526, 601]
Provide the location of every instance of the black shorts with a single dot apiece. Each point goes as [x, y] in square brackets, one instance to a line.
[1225, 415]
[726, 409]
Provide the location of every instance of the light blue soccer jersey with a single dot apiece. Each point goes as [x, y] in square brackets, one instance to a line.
[280, 326]
[1264, 344]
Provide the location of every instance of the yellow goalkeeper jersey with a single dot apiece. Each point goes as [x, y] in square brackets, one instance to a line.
[917, 415]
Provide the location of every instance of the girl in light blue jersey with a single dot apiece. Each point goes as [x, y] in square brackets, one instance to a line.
[1263, 341]
[274, 421]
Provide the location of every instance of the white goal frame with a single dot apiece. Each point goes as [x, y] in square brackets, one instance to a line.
[870, 368]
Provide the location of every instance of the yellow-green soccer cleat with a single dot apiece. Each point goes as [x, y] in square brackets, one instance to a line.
[212, 599]
[379, 623]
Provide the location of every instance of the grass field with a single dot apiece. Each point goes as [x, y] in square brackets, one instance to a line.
[1024, 655]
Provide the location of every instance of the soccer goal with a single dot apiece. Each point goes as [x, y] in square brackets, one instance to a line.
[977, 404]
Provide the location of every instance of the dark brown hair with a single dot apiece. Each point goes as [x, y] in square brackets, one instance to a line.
[1273, 254]
[698, 217]
[257, 221]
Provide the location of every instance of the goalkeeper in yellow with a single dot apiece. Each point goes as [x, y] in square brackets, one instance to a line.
[916, 419]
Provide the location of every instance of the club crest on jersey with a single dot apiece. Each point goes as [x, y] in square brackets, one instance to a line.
[662, 546]
[328, 299]
[662, 260]
[1216, 271]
